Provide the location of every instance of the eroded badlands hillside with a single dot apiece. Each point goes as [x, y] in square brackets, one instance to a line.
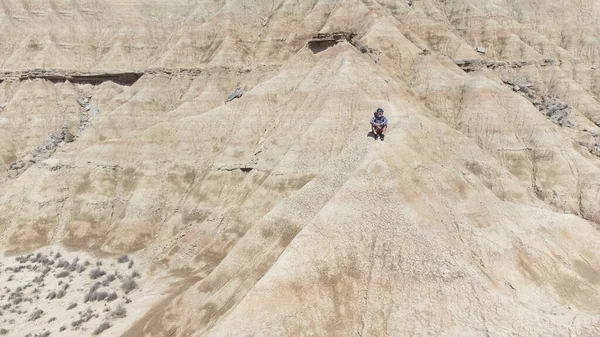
[274, 214]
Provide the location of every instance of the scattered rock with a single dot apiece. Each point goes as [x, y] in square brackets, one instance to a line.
[470, 65]
[3, 105]
[480, 50]
[554, 108]
[42, 151]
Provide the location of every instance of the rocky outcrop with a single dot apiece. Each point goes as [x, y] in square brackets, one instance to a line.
[57, 75]
[42, 151]
[470, 65]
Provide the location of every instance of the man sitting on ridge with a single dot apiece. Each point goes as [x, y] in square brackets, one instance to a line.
[379, 124]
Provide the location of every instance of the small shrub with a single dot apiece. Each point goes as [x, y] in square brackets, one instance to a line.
[111, 297]
[128, 284]
[62, 264]
[43, 334]
[130, 264]
[135, 274]
[93, 296]
[3, 331]
[101, 328]
[95, 273]
[62, 328]
[51, 296]
[123, 259]
[76, 323]
[120, 312]
[52, 320]
[95, 286]
[61, 293]
[57, 255]
[71, 306]
[109, 278]
[98, 263]
[36, 314]
[62, 274]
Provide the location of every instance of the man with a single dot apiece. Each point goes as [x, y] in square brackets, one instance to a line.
[379, 124]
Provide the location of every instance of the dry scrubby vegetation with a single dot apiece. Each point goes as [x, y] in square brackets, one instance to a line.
[35, 281]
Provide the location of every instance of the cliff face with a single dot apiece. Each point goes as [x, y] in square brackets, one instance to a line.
[276, 213]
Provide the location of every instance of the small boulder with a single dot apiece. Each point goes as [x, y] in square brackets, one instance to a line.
[58, 135]
[68, 137]
[235, 94]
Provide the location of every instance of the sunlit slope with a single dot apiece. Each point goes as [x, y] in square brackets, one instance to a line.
[478, 215]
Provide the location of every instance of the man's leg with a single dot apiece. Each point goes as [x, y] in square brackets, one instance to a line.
[374, 130]
[383, 129]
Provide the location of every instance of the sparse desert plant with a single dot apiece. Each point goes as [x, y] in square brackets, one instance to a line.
[43, 334]
[61, 293]
[101, 328]
[71, 306]
[95, 286]
[51, 296]
[62, 264]
[57, 255]
[62, 274]
[76, 323]
[111, 297]
[130, 264]
[95, 296]
[3, 331]
[119, 312]
[95, 273]
[135, 274]
[98, 263]
[62, 328]
[128, 284]
[36, 314]
[109, 278]
[52, 319]
[123, 259]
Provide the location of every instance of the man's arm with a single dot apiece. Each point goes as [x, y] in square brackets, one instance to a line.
[384, 122]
